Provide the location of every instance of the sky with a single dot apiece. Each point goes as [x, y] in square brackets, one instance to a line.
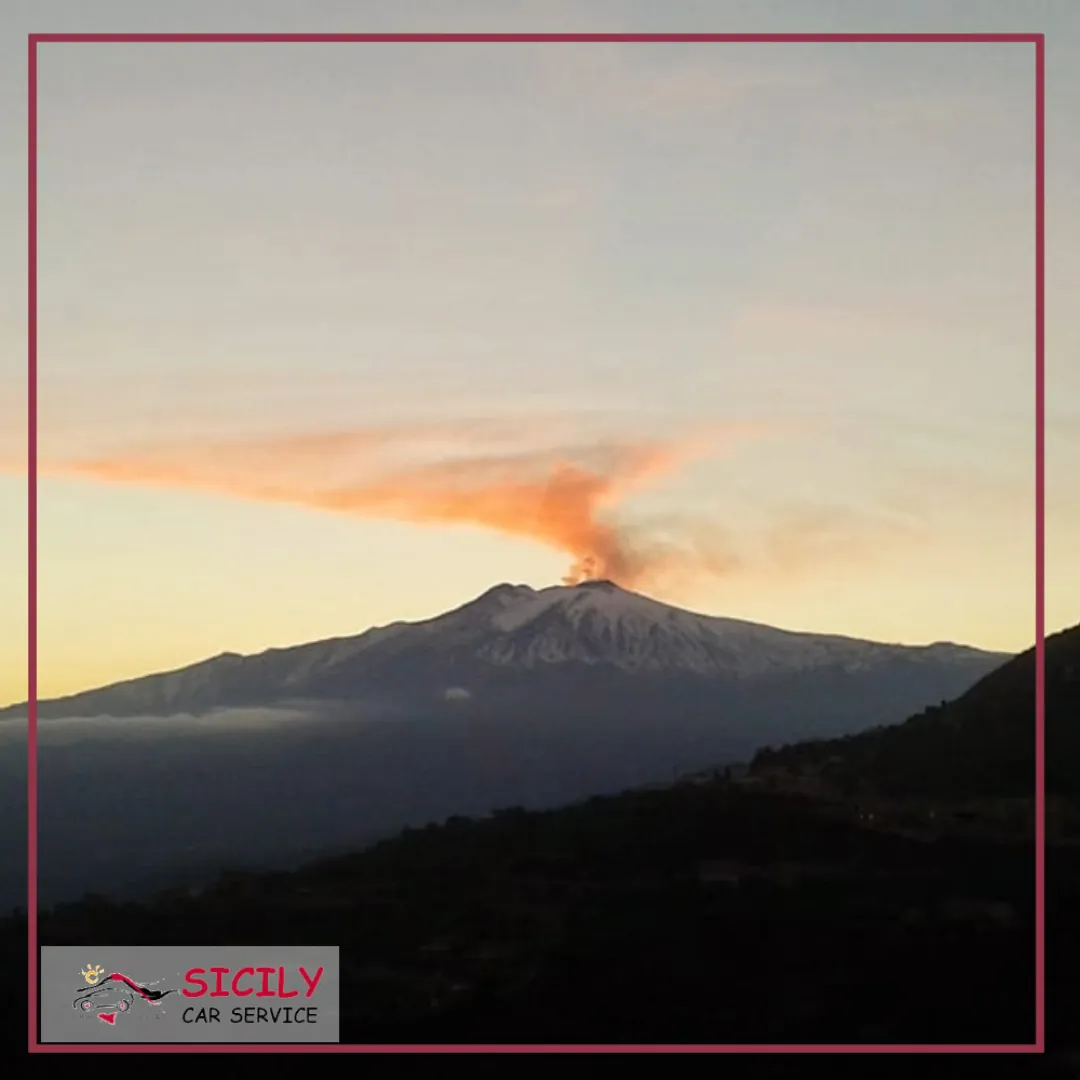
[336, 335]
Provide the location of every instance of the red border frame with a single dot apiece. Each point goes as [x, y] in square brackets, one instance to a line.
[1038, 40]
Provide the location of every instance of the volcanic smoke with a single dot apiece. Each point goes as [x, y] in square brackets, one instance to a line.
[563, 498]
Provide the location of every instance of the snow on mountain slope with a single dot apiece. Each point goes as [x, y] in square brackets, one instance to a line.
[600, 623]
[513, 628]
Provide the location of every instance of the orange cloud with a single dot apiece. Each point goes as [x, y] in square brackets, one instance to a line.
[562, 498]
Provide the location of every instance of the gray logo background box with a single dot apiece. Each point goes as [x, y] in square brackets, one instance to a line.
[162, 969]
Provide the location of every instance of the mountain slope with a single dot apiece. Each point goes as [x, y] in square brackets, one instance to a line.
[980, 745]
[515, 632]
[521, 697]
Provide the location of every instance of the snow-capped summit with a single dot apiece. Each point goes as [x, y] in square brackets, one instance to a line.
[517, 632]
[597, 622]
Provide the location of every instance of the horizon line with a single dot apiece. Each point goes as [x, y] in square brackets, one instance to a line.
[1004, 653]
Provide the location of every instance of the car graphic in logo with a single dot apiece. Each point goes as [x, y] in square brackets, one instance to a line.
[114, 994]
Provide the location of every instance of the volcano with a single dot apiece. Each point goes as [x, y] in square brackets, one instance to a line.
[550, 645]
[520, 697]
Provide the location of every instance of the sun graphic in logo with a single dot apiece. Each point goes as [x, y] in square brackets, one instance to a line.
[92, 973]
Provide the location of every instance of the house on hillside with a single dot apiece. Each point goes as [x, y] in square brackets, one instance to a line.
[775, 777]
[698, 779]
[750, 780]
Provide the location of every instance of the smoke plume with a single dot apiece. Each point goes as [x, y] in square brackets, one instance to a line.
[567, 498]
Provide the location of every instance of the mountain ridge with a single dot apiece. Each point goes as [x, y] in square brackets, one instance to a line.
[520, 697]
[513, 627]
[981, 744]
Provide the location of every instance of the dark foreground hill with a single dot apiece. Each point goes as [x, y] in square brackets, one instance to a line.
[706, 912]
[697, 914]
[982, 745]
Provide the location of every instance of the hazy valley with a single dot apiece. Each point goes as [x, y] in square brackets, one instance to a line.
[521, 697]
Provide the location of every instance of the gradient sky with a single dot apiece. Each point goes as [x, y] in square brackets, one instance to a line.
[824, 254]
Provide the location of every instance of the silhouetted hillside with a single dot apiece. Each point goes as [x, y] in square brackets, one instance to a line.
[700, 913]
[982, 745]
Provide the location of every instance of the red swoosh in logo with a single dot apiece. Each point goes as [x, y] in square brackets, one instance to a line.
[150, 995]
[108, 1018]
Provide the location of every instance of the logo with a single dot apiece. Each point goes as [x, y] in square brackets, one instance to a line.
[173, 994]
[109, 997]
